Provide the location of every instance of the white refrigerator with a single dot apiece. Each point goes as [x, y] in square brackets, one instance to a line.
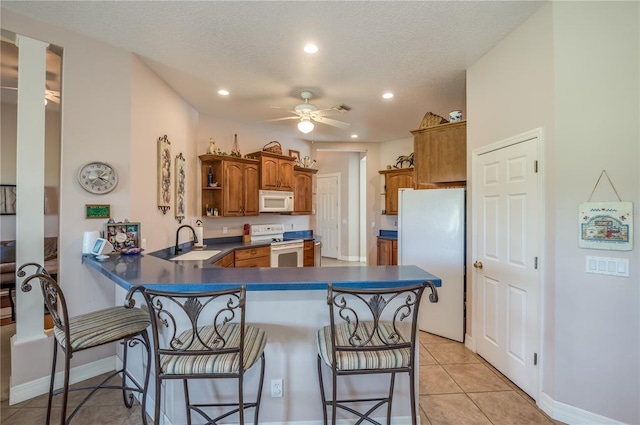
[431, 235]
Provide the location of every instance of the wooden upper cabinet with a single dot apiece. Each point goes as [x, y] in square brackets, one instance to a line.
[240, 189]
[395, 179]
[303, 190]
[440, 154]
[237, 191]
[276, 171]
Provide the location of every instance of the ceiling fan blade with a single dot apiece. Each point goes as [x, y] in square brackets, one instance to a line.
[332, 122]
[282, 119]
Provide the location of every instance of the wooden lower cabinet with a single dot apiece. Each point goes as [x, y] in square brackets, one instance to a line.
[253, 257]
[226, 261]
[387, 252]
[308, 254]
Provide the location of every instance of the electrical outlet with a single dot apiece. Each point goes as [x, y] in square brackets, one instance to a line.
[225, 230]
[277, 388]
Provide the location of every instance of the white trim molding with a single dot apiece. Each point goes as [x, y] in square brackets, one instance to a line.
[572, 415]
[40, 386]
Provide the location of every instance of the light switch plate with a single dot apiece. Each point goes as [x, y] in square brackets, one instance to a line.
[608, 265]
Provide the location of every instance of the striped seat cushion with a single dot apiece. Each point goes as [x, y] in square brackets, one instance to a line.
[362, 360]
[103, 326]
[255, 339]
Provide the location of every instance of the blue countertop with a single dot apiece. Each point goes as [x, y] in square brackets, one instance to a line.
[388, 234]
[157, 271]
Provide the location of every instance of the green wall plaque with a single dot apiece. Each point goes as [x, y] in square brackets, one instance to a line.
[98, 210]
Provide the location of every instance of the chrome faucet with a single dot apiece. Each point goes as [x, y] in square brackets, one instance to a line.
[195, 238]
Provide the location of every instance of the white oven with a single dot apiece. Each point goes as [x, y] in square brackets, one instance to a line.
[283, 253]
[287, 253]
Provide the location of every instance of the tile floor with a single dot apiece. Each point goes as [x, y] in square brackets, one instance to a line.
[457, 387]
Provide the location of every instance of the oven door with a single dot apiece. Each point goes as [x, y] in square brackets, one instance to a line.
[287, 255]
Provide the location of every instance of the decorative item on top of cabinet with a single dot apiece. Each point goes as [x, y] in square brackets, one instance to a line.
[440, 154]
[236, 193]
[276, 171]
[387, 252]
[303, 190]
[395, 179]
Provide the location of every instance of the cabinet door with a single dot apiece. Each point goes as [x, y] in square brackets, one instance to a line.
[308, 254]
[302, 194]
[394, 253]
[233, 192]
[269, 173]
[384, 252]
[393, 183]
[440, 154]
[285, 174]
[251, 181]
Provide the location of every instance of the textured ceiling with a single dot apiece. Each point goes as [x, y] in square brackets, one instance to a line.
[419, 50]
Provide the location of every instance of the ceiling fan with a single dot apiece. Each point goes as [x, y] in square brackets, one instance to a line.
[49, 95]
[307, 113]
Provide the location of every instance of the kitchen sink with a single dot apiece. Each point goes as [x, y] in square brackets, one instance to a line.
[196, 255]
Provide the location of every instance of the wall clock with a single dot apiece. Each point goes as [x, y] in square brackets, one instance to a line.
[98, 177]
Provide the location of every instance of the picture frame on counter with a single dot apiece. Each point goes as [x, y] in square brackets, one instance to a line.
[122, 235]
[98, 210]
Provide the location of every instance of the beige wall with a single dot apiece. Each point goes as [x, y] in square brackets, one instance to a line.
[568, 65]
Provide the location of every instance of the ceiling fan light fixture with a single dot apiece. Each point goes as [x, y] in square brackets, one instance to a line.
[311, 48]
[305, 126]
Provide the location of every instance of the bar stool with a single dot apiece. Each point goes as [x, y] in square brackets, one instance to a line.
[74, 334]
[202, 335]
[366, 336]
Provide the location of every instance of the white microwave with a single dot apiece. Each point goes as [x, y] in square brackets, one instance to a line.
[276, 201]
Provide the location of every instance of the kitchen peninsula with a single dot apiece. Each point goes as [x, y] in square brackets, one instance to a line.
[289, 303]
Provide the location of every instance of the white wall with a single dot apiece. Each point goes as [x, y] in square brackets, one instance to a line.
[389, 153]
[597, 74]
[157, 110]
[568, 65]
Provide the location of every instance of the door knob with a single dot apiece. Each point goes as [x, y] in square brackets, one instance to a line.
[477, 264]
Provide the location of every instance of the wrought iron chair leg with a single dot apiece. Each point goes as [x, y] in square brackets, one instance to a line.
[145, 337]
[334, 398]
[187, 400]
[65, 394]
[53, 377]
[324, 399]
[412, 392]
[156, 410]
[257, 411]
[390, 399]
[240, 397]
[128, 399]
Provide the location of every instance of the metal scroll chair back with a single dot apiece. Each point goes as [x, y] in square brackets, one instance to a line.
[204, 336]
[53, 296]
[371, 331]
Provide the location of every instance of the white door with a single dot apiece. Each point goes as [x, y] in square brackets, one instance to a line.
[507, 224]
[329, 214]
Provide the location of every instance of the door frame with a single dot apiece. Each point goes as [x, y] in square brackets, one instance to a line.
[471, 342]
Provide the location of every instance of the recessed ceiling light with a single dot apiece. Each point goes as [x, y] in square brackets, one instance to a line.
[387, 95]
[223, 92]
[354, 136]
[310, 48]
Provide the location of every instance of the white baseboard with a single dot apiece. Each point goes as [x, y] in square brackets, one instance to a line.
[355, 258]
[31, 389]
[572, 415]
